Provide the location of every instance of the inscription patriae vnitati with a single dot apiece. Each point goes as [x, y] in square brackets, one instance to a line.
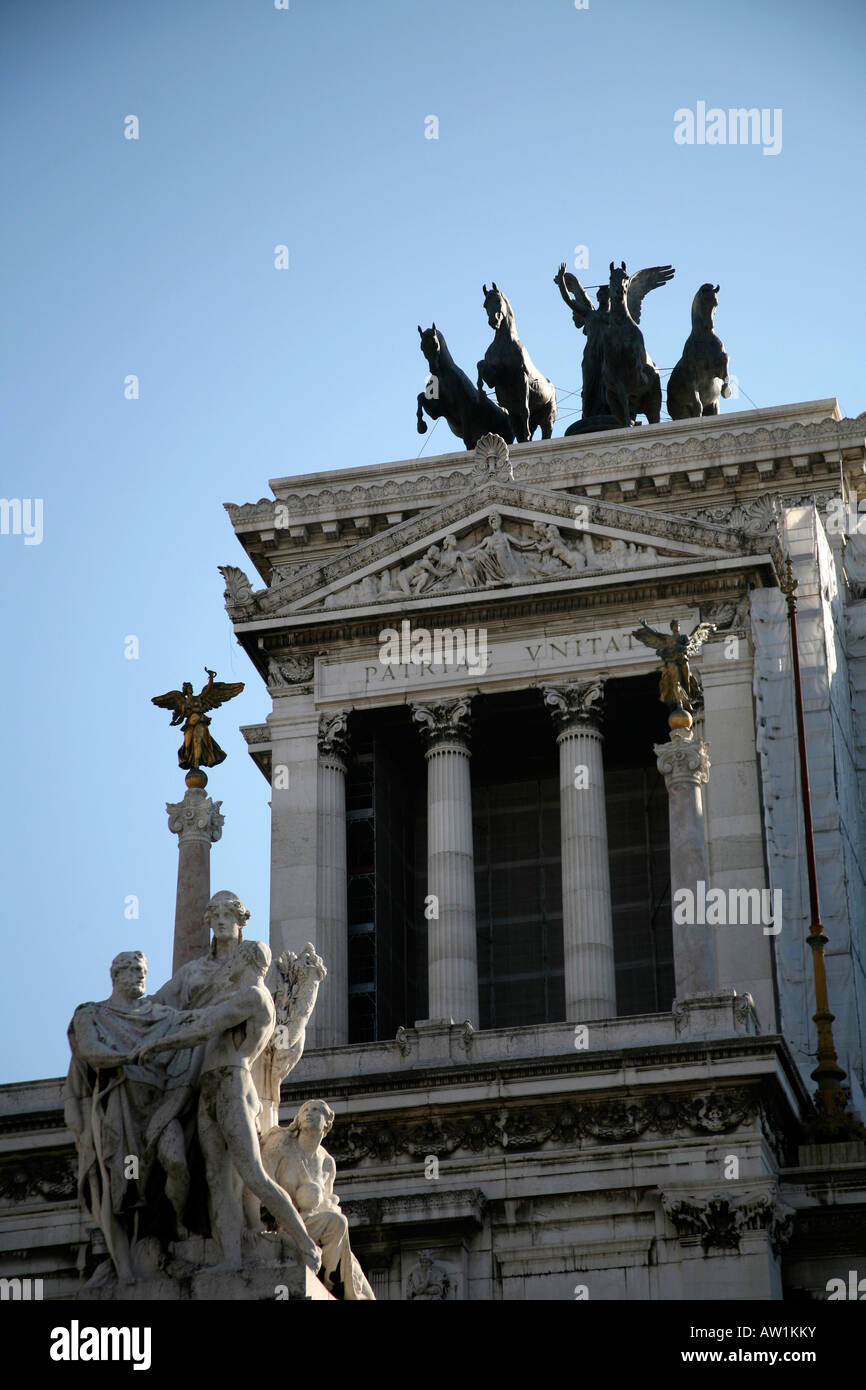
[545, 654]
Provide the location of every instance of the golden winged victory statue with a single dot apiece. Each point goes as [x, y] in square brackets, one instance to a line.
[678, 685]
[198, 749]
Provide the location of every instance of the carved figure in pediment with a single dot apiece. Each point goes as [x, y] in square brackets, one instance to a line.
[555, 552]
[496, 557]
[457, 567]
[421, 573]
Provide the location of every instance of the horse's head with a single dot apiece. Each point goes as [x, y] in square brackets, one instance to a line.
[430, 346]
[494, 304]
[704, 306]
[619, 278]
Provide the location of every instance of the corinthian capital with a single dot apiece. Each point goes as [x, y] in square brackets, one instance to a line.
[575, 704]
[443, 721]
[685, 759]
[196, 817]
[333, 736]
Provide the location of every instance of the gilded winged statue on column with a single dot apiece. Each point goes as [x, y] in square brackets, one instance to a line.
[198, 748]
[679, 686]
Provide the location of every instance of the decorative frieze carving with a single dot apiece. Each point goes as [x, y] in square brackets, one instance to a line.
[576, 703]
[719, 1219]
[240, 600]
[727, 615]
[504, 556]
[669, 530]
[443, 721]
[762, 516]
[557, 466]
[521, 1129]
[46, 1178]
[491, 460]
[256, 734]
[289, 670]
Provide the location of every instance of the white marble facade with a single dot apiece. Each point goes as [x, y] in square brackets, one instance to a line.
[541, 1162]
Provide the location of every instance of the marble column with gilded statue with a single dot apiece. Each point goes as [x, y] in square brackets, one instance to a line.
[452, 956]
[331, 1022]
[587, 921]
[685, 765]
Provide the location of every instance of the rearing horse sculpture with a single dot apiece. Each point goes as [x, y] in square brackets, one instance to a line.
[629, 376]
[701, 375]
[451, 395]
[528, 398]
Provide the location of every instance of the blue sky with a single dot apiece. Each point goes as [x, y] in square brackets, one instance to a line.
[155, 257]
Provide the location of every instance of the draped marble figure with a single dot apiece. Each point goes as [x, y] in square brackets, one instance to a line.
[145, 1109]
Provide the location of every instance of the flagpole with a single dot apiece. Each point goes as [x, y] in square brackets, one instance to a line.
[833, 1122]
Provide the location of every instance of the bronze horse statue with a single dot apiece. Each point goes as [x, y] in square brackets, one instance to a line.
[701, 375]
[629, 376]
[469, 414]
[528, 398]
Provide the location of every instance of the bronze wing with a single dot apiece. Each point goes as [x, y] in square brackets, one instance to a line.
[651, 638]
[173, 700]
[697, 637]
[216, 693]
[642, 282]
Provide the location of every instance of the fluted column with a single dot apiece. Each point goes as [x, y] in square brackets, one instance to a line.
[452, 957]
[587, 920]
[197, 822]
[685, 765]
[331, 1018]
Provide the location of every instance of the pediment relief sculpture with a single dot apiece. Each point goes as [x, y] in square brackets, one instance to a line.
[522, 553]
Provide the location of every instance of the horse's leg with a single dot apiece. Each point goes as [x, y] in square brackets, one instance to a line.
[653, 400]
[422, 425]
[523, 415]
[481, 379]
[549, 416]
[620, 406]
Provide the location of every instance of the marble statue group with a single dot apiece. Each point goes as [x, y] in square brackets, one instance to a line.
[620, 379]
[173, 1102]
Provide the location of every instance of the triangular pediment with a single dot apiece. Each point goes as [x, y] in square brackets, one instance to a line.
[500, 536]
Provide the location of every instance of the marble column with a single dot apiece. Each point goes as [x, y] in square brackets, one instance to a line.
[330, 1022]
[587, 921]
[452, 957]
[198, 823]
[294, 732]
[685, 765]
